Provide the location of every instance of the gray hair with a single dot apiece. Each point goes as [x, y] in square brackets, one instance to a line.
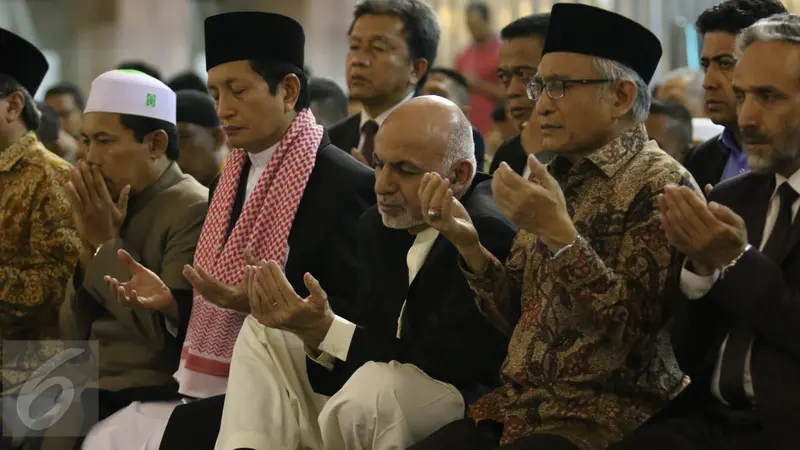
[695, 87]
[615, 71]
[780, 27]
[460, 146]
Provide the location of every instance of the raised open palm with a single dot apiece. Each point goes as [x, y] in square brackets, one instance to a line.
[144, 290]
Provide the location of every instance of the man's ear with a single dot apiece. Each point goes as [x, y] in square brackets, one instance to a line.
[463, 175]
[15, 104]
[291, 89]
[157, 143]
[418, 70]
[623, 96]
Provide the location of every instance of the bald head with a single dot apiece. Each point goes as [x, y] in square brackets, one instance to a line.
[425, 134]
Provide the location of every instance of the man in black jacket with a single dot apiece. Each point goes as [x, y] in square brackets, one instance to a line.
[415, 349]
[520, 54]
[722, 157]
[736, 332]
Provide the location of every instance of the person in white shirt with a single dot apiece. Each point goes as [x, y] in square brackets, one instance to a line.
[415, 349]
[737, 333]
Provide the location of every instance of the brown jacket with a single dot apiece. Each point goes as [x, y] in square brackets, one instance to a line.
[586, 360]
[38, 242]
[161, 232]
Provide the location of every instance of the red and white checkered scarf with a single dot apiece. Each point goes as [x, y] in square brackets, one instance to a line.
[263, 227]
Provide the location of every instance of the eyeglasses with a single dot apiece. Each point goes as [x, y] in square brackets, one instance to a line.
[555, 89]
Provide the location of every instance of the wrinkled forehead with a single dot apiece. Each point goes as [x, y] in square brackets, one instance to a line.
[566, 65]
[403, 138]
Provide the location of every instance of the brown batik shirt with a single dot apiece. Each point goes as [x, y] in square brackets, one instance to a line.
[39, 245]
[587, 360]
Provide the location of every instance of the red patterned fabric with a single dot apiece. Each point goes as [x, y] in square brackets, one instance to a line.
[263, 227]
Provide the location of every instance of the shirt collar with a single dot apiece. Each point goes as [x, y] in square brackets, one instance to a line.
[15, 152]
[793, 181]
[365, 117]
[613, 156]
[728, 141]
[426, 235]
[260, 160]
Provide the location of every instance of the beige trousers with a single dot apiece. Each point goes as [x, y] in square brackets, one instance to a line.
[270, 404]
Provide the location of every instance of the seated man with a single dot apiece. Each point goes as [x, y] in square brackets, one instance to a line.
[415, 350]
[584, 291]
[202, 138]
[132, 150]
[736, 332]
[449, 84]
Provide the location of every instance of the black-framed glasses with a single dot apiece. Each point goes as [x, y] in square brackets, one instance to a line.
[555, 89]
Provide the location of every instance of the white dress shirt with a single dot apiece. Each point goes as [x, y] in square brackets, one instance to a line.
[258, 162]
[340, 335]
[695, 286]
[365, 117]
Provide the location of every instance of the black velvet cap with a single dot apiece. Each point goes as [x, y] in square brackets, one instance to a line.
[240, 36]
[22, 61]
[196, 107]
[576, 28]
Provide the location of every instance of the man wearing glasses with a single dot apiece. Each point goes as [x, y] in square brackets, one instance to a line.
[583, 292]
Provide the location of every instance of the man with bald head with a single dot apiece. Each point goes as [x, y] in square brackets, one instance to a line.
[415, 349]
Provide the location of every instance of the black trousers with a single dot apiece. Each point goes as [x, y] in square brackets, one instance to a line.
[194, 425]
[705, 426]
[465, 435]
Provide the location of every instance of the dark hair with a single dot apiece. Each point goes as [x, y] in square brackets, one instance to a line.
[499, 112]
[142, 126]
[31, 115]
[187, 81]
[452, 74]
[141, 66]
[274, 72]
[328, 94]
[68, 89]
[680, 119]
[528, 26]
[50, 125]
[733, 16]
[420, 25]
[480, 8]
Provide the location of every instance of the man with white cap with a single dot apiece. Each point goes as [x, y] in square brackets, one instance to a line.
[130, 133]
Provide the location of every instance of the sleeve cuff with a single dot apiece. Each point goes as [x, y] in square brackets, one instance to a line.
[577, 263]
[324, 359]
[695, 286]
[337, 341]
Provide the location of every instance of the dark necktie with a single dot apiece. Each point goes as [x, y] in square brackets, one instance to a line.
[731, 383]
[369, 130]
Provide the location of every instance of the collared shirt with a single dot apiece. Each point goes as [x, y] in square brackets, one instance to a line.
[737, 160]
[337, 341]
[585, 359]
[365, 117]
[696, 287]
[258, 162]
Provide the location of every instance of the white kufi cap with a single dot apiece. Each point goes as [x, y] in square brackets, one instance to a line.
[132, 92]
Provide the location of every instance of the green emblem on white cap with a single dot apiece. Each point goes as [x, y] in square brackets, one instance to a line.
[151, 100]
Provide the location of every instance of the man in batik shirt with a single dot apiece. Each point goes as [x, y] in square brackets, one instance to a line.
[584, 291]
[38, 242]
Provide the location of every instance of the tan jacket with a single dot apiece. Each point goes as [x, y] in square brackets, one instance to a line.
[161, 232]
[38, 242]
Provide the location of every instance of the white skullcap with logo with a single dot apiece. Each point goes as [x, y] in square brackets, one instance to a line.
[132, 92]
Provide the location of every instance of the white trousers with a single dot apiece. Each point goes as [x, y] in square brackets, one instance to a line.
[270, 403]
[138, 426]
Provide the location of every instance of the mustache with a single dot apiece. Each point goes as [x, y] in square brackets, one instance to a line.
[391, 200]
[753, 136]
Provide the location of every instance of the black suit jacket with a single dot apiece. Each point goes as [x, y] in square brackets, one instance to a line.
[346, 133]
[323, 238]
[513, 154]
[443, 333]
[765, 296]
[706, 162]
